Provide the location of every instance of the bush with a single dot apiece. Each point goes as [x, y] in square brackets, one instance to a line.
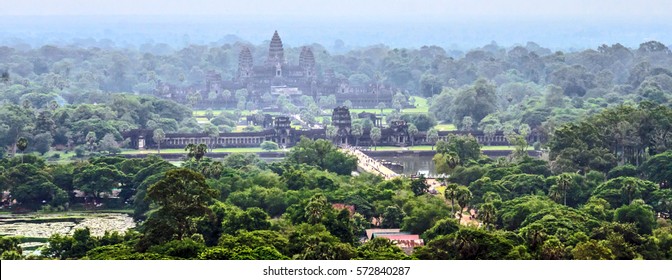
[79, 151]
[269, 146]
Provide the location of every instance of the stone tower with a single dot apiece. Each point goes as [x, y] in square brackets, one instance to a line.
[276, 53]
[282, 127]
[213, 82]
[341, 119]
[245, 63]
[307, 62]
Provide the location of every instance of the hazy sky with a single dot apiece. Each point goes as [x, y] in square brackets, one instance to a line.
[363, 9]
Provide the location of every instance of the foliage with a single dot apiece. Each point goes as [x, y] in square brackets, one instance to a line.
[466, 244]
[269, 146]
[323, 154]
[181, 195]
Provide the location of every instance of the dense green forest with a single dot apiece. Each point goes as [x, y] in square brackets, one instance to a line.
[244, 208]
[602, 190]
[56, 96]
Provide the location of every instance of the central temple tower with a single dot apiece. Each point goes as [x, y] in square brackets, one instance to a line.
[276, 53]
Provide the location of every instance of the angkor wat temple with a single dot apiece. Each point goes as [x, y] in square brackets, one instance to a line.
[278, 129]
[275, 76]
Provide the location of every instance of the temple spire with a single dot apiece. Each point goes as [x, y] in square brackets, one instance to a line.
[245, 63]
[276, 53]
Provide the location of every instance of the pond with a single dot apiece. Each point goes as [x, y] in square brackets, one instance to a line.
[37, 228]
[412, 163]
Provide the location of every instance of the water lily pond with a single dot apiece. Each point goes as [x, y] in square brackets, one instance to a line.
[37, 228]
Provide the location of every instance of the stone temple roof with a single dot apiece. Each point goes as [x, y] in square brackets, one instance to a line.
[245, 58]
[306, 58]
[276, 52]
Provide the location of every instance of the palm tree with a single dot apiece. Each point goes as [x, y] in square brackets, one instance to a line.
[331, 133]
[316, 208]
[629, 188]
[191, 150]
[375, 136]
[432, 136]
[463, 198]
[490, 131]
[22, 144]
[357, 131]
[451, 194]
[466, 245]
[535, 236]
[452, 159]
[488, 214]
[554, 193]
[215, 169]
[564, 182]
[200, 151]
[412, 132]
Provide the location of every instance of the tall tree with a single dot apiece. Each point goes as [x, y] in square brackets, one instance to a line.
[91, 140]
[200, 151]
[357, 130]
[489, 131]
[181, 196]
[96, 179]
[317, 209]
[488, 214]
[451, 194]
[467, 123]
[191, 150]
[432, 136]
[412, 132]
[331, 133]
[381, 106]
[159, 136]
[392, 217]
[375, 136]
[464, 196]
[419, 186]
[109, 144]
[16, 120]
[564, 183]
[22, 144]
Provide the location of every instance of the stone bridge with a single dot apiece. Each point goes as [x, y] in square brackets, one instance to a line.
[368, 164]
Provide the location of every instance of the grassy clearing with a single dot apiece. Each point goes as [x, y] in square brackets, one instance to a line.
[421, 106]
[421, 102]
[201, 113]
[387, 111]
[498, 148]
[59, 156]
[429, 148]
[446, 127]
[182, 151]
[202, 120]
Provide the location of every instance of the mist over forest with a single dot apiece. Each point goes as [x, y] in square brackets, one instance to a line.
[236, 138]
[335, 35]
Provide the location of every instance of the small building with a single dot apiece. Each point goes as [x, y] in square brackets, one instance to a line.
[371, 231]
[377, 121]
[407, 242]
